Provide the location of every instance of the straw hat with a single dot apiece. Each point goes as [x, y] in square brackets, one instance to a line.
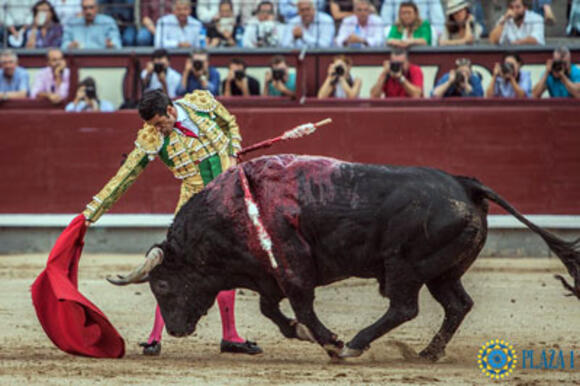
[456, 5]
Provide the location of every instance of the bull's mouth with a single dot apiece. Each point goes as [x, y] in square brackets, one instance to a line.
[181, 333]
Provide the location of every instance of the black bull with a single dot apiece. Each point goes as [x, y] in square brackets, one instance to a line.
[330, 220]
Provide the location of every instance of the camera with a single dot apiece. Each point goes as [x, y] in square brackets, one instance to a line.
[278, 74]
[339, 70]
[90, 92]
[396, 67]
[197, 65]
[158, 67]
[507, 68]
[557, 65]
[459, 79]
[239, 74]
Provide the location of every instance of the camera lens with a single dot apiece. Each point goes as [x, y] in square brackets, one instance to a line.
[506, 68]
[339, 70]
[158, 67]
[278, 74]
[557, 65]
[239, 74]
[197, 65]
[396, 66]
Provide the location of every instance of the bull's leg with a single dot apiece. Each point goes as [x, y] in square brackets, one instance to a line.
[271, 309]
[403, 307]
[456, 303]
[303, 305]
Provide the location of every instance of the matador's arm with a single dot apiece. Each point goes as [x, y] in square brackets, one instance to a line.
[148, 144]
[227, 122]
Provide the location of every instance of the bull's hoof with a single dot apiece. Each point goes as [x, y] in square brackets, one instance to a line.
[247, 347]
[348, 352]
[151, 349]
[334, 349]
[304, 333]
[431, 356]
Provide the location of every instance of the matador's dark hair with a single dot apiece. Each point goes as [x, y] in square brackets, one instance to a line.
[154, 102]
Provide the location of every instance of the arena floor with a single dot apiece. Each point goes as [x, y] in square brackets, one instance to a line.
[515, 299]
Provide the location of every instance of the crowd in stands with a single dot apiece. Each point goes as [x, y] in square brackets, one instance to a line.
[79, 24]
[102, 24]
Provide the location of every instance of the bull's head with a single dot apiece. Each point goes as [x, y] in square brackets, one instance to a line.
[183, 294]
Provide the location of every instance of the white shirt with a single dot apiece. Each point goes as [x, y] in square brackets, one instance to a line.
[16, 12]
[533, 25]
[269, 32]
[319, 34]
[168, 32]
[172, 78]
[183, 118]
[66, 9]
[372, 32]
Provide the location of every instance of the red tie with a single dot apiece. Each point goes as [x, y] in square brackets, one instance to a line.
[184, 130]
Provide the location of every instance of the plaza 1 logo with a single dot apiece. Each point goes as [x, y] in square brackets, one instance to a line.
[497, 359]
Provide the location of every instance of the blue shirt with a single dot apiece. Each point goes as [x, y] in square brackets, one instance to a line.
[557, 89]
[18, 82]
[213, 83]
[474, 81]
[288, 8]
[168, 32]
[172, 78]
[320, 33]
[290, 85]
[104, 107]
[503, 88]
[92, 36]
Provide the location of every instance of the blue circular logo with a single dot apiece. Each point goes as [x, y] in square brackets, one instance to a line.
[497, 359]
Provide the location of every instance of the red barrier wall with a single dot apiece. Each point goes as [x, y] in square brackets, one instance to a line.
[53, 162]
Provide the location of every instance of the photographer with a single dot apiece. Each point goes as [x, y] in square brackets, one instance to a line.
[263, 30]
[159, 75]
[278, 81]
[460, 82]
[339, 82]
[199, 75]
[561, 78]
[508, 80]
[238, 83]
[52, 82]
[399, 78]
[87, 99]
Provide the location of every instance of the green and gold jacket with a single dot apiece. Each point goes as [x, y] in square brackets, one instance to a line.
[195, 161]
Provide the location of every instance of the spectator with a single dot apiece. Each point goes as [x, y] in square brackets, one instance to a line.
[13, 78]
[86, 99]
[339, 83]
[573, 28]
[178, 29]
[461, 27]
[561, 78]
[341, 9]
[430, 10]
[288, 9]
[46, 30]
[409, 30]
[238, 83]
[480, 16]
[150, 12]
[278, 80]
[311, 28]
[222, 31]
[52, 82]
[263, 30]
[15, 15]
[544, 8]
[199, 75]
[518, 26]
[158, 74]
[399, 78]
[67, 10]
[509, 80]
[460, 82]
[363, 29]
[91, 31]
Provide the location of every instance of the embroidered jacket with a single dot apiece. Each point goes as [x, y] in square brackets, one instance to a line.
[195, 161]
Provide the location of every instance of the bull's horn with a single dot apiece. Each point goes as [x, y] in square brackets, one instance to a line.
[141, 273]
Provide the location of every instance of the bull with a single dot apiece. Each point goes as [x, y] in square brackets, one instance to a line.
[322, 220]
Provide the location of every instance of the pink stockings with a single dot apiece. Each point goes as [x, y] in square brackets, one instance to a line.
[225, 301]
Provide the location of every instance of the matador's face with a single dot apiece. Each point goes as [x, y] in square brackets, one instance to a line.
[164, 123]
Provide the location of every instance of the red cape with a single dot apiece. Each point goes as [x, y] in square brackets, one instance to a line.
[71, 321]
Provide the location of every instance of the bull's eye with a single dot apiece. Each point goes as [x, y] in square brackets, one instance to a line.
[162, 287]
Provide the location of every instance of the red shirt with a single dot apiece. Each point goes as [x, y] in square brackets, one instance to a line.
[392, 87]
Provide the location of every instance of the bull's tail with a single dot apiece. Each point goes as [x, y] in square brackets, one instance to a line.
[567, 251]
